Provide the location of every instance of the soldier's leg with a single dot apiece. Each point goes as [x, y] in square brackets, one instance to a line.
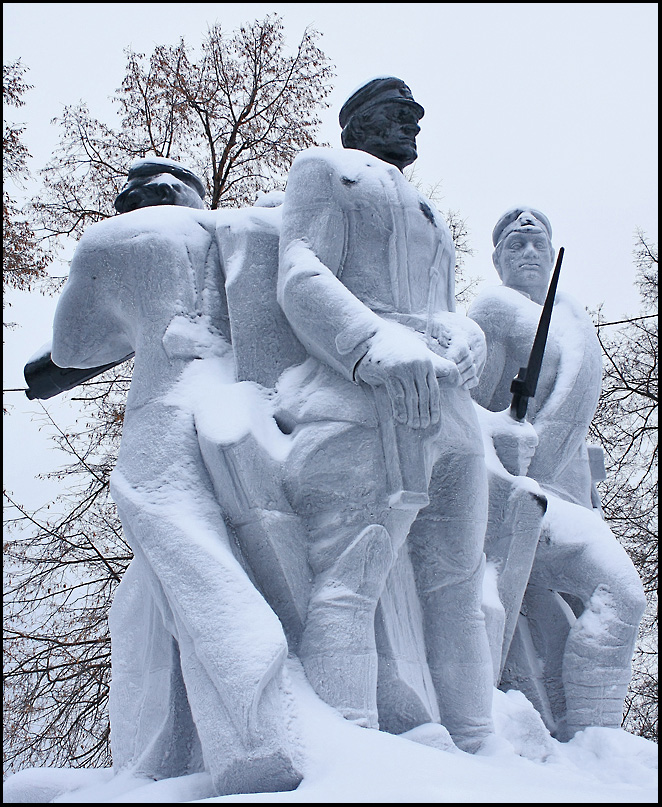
[446, 548]
[579, 555]
[159, 684]
[231, 648]
[336, 482]
[153, 733]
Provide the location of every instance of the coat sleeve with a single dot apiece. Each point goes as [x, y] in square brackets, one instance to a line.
[90, 328]
[490, 316]
[564, 419]
[331, 323]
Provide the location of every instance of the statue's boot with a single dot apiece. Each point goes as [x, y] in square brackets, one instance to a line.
[597, 660]
[459, 660]
[338, 648]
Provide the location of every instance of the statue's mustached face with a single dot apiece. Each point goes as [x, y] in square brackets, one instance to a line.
[389, 133]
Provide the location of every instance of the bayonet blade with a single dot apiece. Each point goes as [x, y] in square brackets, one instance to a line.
[525, 382]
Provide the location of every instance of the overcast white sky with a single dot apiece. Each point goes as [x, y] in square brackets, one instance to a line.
[548, 104]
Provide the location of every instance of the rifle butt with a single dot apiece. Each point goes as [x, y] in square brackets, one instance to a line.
[405, 457]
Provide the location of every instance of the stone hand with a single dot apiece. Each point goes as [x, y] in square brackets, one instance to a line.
[412, 375]
[463, 357]
[464, 346]
[515, 444]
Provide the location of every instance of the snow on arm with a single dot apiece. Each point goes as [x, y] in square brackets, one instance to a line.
[327, 318]
[491, 315]
[563, 420]
[129, 276]
[89, 327]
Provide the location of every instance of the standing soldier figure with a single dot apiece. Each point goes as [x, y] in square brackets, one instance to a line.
[381, 416]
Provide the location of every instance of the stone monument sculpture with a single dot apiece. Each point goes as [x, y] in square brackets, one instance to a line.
[157, 181]
[367, 284]
[224, 506]
[150, 183]
[582, 600]
[197, 653]
[303, 470]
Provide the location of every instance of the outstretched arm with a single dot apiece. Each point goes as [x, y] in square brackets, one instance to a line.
[89, 329]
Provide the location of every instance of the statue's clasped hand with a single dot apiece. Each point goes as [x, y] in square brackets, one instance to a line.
[411, 374]
[514, 441]
[461, 355]
[456, 348]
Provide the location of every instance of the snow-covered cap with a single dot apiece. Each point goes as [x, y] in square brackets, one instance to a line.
[521, 219]
[378, 91]
[152, 166]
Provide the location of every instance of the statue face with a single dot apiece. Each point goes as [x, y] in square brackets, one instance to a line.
[525, 263]
[389, 133]
[163, 189]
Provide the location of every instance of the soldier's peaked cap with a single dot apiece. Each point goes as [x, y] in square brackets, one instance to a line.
[151, 166]
[377, 91]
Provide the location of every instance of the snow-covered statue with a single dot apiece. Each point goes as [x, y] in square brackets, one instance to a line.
[197, 653]
[386, 465]
[580, 596]
[303, 469]
[289, 429]
[150, 183]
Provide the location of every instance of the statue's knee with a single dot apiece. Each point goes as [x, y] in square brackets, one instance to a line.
[614, 610]
[372, 551]
[628, 600]
[361, 569]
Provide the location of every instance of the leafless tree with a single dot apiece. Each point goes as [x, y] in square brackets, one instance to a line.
[236, 114]
[23, 261]
[625, 425]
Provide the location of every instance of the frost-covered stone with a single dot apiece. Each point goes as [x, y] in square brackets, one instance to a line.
[383, 427]
[197, 653]
[303, 471]
[580, 597]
